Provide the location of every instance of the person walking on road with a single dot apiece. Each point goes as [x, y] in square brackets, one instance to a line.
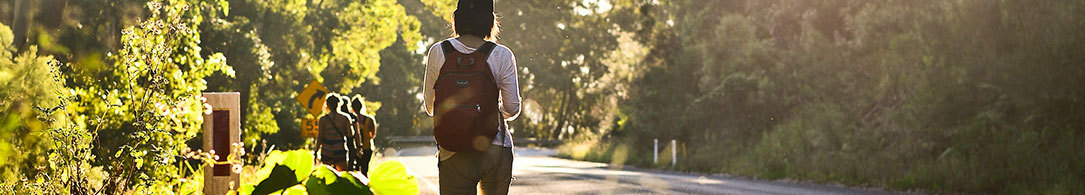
[332, 135]
[367, 129]
[471, 89]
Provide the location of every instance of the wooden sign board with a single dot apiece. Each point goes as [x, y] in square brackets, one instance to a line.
[312, 97]
[221, 129]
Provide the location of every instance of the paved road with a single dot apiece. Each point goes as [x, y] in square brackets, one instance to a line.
[536, 172]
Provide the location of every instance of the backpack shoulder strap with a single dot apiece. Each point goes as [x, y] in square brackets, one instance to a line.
[486, 48]
[336, 127]
[446, 46]
[362, 120]
[367, 120]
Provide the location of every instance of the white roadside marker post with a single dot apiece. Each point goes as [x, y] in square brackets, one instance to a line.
[655, 151]
[674, 152]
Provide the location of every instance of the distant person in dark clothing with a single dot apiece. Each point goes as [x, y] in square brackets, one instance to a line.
[367, 128]
[334, 129]
[344, 108]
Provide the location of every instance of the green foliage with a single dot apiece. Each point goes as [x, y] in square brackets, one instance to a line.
[442, 9]
[956, 96]
[41, 150]
[135, 74]
[113, 114]
[562, 55]
[293, 172]
[146, 104]
[399, 78]
[282, 45]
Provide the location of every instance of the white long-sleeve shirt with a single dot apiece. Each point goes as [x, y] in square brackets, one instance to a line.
[502, 64]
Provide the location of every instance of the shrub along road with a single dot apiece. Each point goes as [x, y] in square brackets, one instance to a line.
[537, 172]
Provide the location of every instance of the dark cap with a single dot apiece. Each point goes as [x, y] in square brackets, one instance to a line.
[476, 5]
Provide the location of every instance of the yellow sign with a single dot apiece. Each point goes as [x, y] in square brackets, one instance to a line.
[308, 127]
[312, 97]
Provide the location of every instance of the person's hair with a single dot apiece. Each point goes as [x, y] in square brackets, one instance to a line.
[480, 21]
[357, 104]
[344, 106]
[332, 102]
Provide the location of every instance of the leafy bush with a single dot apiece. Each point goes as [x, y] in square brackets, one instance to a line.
[113, 129]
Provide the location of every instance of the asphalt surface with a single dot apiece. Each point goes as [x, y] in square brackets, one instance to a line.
[535, 171]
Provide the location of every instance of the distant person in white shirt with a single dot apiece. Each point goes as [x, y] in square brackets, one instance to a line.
[487, 163]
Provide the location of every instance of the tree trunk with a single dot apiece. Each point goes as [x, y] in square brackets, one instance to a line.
[563, 114]
[21, 23]
[54, 13]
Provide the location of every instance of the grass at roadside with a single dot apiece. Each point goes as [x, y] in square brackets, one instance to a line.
[1006, 162]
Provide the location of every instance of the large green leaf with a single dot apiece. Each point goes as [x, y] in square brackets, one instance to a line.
[296, 190]
[349, 183]
[392, 178]
[270, 161]
[356, 178]
[319, 180]
[280, 178]
[300, 161]
[282, 170]
[293, 190]
[327, 181]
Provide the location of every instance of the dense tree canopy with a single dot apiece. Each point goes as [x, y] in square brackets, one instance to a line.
[929, 94]
[282, 45]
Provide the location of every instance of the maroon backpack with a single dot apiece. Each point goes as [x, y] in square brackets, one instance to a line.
[465, 106]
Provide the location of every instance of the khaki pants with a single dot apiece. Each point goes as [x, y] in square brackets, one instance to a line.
[490, 171]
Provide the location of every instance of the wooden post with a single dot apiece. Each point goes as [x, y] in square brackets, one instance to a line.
[221, 129]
